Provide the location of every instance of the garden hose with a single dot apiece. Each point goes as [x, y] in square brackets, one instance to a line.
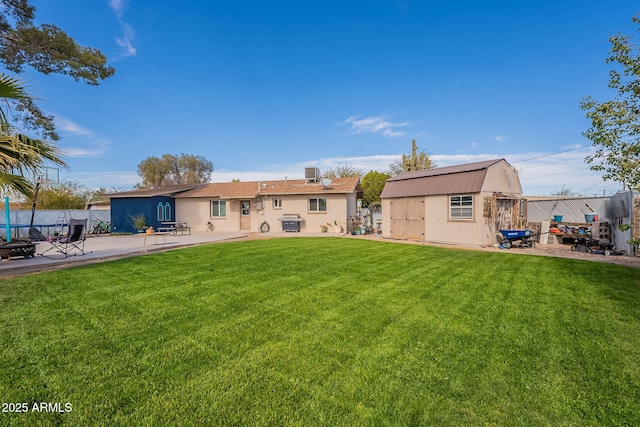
[264, 227]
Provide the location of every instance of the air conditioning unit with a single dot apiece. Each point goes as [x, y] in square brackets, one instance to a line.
[311, 174]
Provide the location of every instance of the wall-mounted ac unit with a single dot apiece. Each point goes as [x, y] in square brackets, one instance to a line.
[311, 174]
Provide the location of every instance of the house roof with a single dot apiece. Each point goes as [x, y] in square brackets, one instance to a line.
[252, 189]
[466, 178]
[170, 190]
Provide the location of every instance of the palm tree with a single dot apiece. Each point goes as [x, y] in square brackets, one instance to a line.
[19, 154]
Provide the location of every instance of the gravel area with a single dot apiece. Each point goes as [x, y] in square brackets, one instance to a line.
[564, 251]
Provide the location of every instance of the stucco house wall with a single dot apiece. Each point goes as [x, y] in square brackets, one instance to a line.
[268, 201]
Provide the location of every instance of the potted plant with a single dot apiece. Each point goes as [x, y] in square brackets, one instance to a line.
[139, 222]
[337, 227]
[324, 227]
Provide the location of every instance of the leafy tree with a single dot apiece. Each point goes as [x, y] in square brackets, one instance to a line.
[342, 171]
[19, 154]
[47, 49]
[98, 196]
[66, 195]
[615, 124]
[372, 184]
[416, 161]
[173, 170]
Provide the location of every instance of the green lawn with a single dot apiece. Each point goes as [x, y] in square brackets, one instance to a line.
[324, 332]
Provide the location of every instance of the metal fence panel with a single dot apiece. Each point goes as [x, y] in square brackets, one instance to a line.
[50, 221]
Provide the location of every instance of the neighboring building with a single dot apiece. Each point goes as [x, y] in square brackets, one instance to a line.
[463, 204]
[618, 216]
[625, 216]
[305, 204]
[157, 205]
[572, 208]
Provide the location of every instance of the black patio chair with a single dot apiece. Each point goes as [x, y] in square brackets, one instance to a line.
[72, 241]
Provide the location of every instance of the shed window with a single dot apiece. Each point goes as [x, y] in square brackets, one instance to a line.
[277, 203]
[218, 208]
[167, 212]
[160, 211]
[317, 205]
[461, 207]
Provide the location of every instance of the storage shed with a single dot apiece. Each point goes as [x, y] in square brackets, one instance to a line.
[463, 204]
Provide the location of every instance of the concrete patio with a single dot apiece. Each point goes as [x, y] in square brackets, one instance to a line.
[100, 248]
[104, 247]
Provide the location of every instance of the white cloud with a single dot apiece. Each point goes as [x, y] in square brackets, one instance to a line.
[499, 138]
[376, 125]
[66, 126]
[126, 40]
[118, 7]
[93, 148]
[540, 173]
[83, 141]
[124, 180]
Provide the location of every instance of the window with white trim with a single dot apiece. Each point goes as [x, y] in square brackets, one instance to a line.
[317, 204]
[461, 207]
[277, 203]
[218, 208]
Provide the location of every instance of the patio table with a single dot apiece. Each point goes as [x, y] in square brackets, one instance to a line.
[175, 226]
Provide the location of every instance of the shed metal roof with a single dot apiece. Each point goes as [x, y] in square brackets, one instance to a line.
[466, 178]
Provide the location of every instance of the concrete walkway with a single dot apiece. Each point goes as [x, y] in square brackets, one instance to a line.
[102, 248]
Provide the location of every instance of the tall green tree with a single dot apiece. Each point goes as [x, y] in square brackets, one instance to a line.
[173, 170]
[20, 155]
[47, 49]
[416, 161]
[372, 184]
[615, 124]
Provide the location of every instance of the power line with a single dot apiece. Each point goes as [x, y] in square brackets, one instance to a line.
[553, 174]
[548, 164]
[547, 155]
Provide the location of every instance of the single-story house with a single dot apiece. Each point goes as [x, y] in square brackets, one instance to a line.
[282, 205]
[156, 204]
[463, 204]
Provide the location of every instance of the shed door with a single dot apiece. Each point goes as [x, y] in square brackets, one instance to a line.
[407, 218]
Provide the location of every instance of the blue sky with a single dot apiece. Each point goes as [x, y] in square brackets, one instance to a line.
[264, 89]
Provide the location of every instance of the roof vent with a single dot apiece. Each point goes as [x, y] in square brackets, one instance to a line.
[311, 174]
